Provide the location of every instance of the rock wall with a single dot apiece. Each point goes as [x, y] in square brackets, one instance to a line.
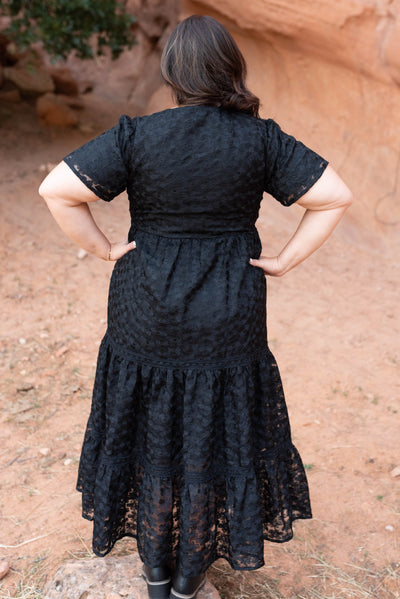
[135, 75]
[329, 73]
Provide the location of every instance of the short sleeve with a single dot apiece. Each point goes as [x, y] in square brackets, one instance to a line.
[102, 164]
[291, 168]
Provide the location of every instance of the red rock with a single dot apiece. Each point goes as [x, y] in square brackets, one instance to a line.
[4, 41]
[133, 6]
[4, 568]
[135, 75]
[26, 58]
[32, 81]
[12, 96]
[52, 110]
[395, 472]
[72, 101]
[160, 100]
[64, 82]
[106, 578]
[148, 83]
[154, 17]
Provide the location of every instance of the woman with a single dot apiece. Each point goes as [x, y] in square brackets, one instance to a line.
[188, 444]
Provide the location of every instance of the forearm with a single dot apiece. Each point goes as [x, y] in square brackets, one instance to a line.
[314, 229]
[325, 203]
[67, 198]
[77, 222]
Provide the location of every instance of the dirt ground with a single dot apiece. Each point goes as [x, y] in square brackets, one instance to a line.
[333, 327]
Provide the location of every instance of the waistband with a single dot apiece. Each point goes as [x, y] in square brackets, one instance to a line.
[189, 234]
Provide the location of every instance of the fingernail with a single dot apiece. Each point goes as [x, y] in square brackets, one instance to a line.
[251, 260]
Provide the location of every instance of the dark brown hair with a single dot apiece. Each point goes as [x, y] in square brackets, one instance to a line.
[203, 65]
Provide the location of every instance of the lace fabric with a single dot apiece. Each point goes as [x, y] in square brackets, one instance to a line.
[188, 445]
[193, 463]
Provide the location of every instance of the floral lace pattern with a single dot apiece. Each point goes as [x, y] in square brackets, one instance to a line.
[193, 463]
[188, 445]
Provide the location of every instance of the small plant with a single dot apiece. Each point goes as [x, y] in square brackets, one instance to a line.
[66, 25]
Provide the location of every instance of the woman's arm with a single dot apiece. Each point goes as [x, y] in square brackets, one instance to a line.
[325, 203]
[67, 199]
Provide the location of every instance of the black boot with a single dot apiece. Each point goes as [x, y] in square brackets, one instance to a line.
[158, 581]
[184, 587]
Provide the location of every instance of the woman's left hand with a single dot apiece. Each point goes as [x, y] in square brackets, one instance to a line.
[270, 266]
[120, 248]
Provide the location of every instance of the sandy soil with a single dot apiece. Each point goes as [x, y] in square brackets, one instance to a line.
[334, 329]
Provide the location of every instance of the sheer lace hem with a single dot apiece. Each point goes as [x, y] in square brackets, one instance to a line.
[221, 514]
[196, 464]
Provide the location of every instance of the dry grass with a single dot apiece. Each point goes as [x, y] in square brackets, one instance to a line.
[327, 581]
[31, 583]
[355, 582]
[243, 585]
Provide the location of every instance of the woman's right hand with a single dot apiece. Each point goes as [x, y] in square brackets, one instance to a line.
[325, 203]
[120, 248]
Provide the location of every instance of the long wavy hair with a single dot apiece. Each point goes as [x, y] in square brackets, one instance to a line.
[203, 65]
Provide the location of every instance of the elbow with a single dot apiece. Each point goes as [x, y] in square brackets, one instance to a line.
[343, 198]
[41, 191]
[50, 186]
[49, 191]
[347, 198]
[44, 190]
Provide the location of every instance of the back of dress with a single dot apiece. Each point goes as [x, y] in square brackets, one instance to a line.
[200, 164]
[195, 169]
[188, 443]
[195, 176]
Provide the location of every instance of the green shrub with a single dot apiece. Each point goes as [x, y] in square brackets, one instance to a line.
[66, 25]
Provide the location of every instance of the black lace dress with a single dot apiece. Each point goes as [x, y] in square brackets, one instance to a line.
[188, 444]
